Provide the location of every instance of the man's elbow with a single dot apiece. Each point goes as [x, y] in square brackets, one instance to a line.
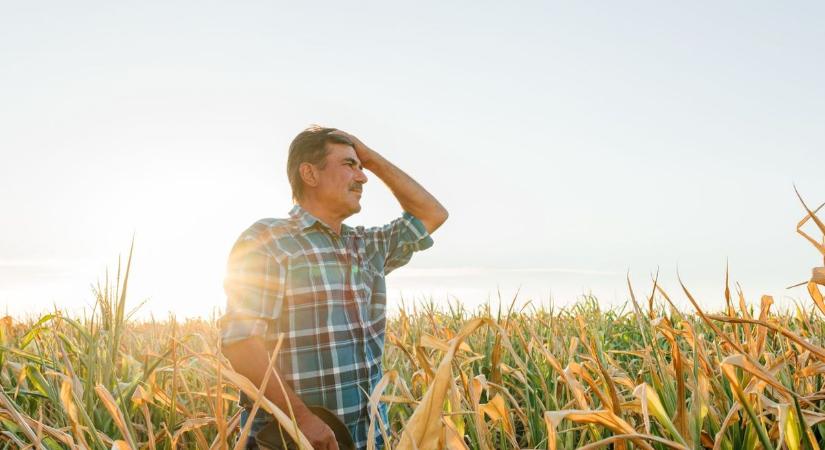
[237, 352]
[229, 351]
[443, 216]
[437, 219]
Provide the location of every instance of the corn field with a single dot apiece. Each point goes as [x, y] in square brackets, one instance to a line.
[648, 376]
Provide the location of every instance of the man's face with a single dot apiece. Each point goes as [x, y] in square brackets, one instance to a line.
[340, 181]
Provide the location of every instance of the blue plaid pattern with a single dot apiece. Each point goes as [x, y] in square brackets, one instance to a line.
[327, 294]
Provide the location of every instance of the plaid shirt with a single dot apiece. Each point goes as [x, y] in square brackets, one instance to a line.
[327, 294]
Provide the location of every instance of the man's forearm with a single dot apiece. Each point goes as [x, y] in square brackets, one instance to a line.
[412, 196]
[250, 359]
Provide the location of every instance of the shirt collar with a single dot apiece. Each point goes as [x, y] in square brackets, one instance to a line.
[306, 220]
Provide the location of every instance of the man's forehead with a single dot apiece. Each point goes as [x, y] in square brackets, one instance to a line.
[338, 151]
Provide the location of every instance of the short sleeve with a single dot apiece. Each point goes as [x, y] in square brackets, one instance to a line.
[398, 240]
[254, 287]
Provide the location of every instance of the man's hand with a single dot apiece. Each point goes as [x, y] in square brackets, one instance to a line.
[365, 154]
[319, 434]
[411, 195]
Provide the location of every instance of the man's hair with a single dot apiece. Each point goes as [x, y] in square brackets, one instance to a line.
[309, 146]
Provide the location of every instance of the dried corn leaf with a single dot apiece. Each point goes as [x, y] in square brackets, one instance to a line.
[453, 438]
[496, 410]
[424, 427]
[120, 445]
[759, 372]
[818, 275]
[189, 425]
[816, 296]
[140, 396]
[375, 418]
[604, 417]
[116, 414]
[430, 341]
[819, 224]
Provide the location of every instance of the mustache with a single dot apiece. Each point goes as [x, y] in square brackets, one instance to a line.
[356, 187]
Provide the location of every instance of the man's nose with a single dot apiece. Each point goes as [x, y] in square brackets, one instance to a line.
[360, 176]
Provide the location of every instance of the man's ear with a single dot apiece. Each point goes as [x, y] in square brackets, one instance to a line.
[309, 174]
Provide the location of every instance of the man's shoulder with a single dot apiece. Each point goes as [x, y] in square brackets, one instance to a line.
[271, 225]
[275, 235]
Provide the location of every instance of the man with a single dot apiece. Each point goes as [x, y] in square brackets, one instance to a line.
[321, 283]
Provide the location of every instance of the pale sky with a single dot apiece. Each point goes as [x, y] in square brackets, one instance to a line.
[570, 142]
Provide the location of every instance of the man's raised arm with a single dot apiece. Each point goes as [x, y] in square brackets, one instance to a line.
[412, 196]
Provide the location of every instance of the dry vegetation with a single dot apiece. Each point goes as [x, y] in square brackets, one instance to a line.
[651, 377]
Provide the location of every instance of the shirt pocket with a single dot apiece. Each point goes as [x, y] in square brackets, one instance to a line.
[375, 299]
[303, 281]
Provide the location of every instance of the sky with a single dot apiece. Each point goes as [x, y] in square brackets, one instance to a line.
[573, 143]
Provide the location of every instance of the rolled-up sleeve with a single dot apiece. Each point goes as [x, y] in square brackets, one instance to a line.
[254, 287]
[398, 240]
